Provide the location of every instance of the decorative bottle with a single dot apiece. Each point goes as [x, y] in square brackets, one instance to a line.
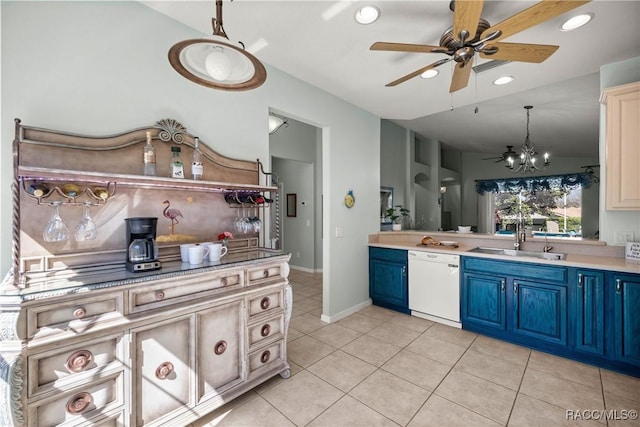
[197, 168]
[176, 168]
[149, 157]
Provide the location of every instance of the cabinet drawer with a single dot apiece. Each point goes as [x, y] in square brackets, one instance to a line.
[393, 255]
[265, 303]
[182, 289]
[74, 363]
[263, 332]
[268, 356]
[522, 270]
[264, 274]
[79, 315]
[78, 406]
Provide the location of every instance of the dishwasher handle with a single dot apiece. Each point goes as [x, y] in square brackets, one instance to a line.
[453, 265]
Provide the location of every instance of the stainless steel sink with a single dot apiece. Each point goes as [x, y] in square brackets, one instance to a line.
[514, 253]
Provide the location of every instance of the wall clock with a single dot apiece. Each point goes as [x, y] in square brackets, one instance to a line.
[349, 199]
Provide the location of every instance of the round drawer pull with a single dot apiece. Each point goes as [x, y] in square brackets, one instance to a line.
[78, 403]
[266, 330]
[79, 360]
[159, 296]
[221, 347]
[265, 274]
[224, 281]
[164, 370]
[266, 355]
[265, 303]
[79, 313]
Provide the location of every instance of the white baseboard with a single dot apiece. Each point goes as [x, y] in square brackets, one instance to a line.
[305, 269]
[345, 313]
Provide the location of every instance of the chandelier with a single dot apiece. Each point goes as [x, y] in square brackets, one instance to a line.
[527, 162]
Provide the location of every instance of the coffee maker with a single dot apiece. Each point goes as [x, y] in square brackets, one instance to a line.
[142, 249]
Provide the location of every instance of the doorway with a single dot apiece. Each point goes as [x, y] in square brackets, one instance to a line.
[295, 150]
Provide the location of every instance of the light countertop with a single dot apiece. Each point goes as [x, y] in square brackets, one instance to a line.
[585, 254]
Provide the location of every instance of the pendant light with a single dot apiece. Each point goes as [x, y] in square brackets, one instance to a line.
[216, 62]
[527, 163]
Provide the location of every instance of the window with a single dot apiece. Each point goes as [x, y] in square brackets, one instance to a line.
[555, 211]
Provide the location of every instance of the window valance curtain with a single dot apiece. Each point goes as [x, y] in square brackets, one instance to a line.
[535, 183]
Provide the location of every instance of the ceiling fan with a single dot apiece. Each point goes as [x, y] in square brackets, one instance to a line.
[470, 34]
[509, 154]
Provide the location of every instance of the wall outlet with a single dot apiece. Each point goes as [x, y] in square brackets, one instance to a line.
[622, 237]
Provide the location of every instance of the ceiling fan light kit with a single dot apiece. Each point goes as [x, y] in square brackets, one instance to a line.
[471, 35]
[216, 62]
[528, 159]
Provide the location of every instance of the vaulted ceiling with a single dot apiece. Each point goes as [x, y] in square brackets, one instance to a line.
[320, 42]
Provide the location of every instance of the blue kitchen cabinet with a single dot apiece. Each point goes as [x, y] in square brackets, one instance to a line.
[482, 300]
[388, 285]
[521, 302]
[589, 308]
[626, 291]
[540, 311]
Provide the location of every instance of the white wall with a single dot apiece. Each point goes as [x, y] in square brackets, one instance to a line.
[101, 68]
[615, 74]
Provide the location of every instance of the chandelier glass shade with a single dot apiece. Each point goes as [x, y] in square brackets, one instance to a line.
[527, 162]
[276, 123]
[216, 62]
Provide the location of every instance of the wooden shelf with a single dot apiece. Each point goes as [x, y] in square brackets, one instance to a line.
[137, 181]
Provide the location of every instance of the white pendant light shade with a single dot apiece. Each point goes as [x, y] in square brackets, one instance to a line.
[216, 62]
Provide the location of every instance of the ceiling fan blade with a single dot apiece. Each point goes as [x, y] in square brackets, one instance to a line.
[532, 16]
[465, 19]
[418, 72]
[521, 52]
[406, 47]
[461, 74]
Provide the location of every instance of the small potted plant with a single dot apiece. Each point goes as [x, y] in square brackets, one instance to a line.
[397, 215]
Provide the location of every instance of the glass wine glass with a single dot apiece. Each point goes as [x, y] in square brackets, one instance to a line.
[86, 228]
[56, 230]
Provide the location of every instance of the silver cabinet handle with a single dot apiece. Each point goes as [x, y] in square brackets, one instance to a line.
[515, 288]
[580, 280]
[618, 286]
[502, 285]
[404, 270]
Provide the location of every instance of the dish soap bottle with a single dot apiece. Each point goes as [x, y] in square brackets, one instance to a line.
[176, 168]
[197, 168]
[149, 157]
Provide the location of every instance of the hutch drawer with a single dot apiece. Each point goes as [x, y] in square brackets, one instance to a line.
[266, 357]
[265, 331]
[264, 274]
[167, 292]
[265, 303]
[78, 315]
[49, 370]
[79, 405]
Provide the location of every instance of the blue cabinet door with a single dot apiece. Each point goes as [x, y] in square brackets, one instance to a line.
[540, 311]
[589, 311]
[627, 318]
[483, 299]
[388, 279]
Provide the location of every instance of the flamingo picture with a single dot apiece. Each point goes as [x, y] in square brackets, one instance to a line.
[172, 214]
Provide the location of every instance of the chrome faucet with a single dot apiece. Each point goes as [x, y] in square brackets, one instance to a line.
[546, 247]
[520, 235]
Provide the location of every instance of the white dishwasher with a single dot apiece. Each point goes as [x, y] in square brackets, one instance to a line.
[434, 287]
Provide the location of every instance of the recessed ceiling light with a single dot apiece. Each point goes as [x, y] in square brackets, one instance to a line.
[429, 74]
[503, 80]
[367, 15]
[577, 21]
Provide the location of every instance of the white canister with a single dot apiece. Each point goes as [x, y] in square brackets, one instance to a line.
[197, 254]
[184, 251]
[217, 251]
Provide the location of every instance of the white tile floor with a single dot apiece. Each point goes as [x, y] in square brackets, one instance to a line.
[382, 368]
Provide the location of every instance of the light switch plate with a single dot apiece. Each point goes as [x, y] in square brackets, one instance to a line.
[339, 232]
